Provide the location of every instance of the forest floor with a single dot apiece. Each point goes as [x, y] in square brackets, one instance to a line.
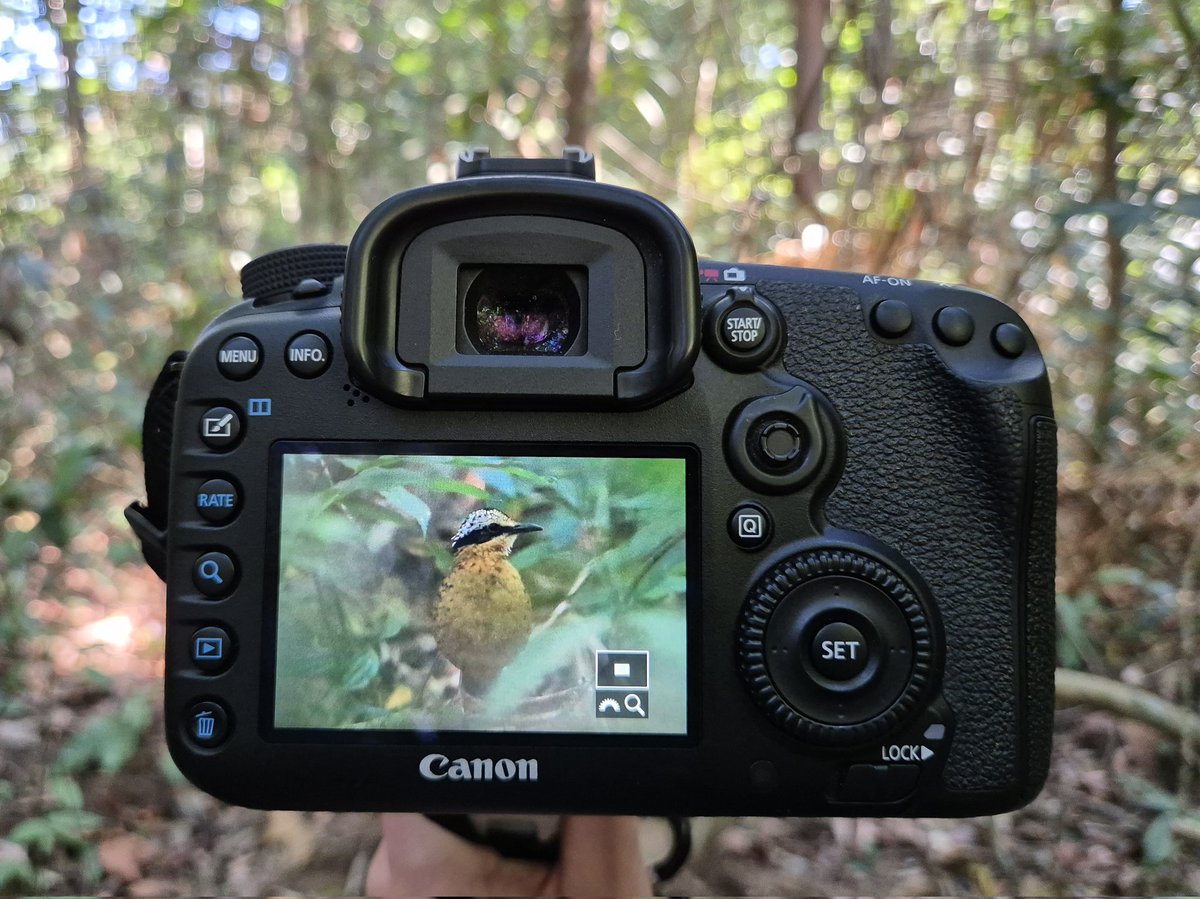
[91, 803]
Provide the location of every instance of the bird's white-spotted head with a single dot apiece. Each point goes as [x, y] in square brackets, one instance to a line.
[489, 527]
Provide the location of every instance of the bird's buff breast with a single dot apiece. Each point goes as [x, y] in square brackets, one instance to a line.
[483, 616]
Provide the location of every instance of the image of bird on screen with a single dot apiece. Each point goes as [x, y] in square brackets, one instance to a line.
[436, 593]
[483, 616]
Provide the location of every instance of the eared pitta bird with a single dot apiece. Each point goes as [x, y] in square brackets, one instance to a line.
[482, 617]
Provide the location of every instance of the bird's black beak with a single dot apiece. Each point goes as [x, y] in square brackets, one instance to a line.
[524, 528]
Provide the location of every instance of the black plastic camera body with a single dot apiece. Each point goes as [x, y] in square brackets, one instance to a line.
[857, 493]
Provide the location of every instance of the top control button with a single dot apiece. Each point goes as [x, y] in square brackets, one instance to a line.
[308, 354]
[239, 357]
[954, 325]
[309, 287]
[743, 329]
[892, 318]
[1009, 340]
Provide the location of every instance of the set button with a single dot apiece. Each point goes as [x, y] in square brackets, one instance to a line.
[217, 501]
[839, 651]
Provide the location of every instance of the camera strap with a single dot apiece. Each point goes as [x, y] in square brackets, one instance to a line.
[149, 520]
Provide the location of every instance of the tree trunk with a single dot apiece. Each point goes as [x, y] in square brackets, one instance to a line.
[584, 60]
[1108, 337]
[313, 98]
[810, 17]
[68, 26]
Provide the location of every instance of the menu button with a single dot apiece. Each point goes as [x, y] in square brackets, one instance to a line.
[239, 357]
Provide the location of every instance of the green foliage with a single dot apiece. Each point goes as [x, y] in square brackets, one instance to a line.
[1076, 646]
[109, 741]
[1158, 840]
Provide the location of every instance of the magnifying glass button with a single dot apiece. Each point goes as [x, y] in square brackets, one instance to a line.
[213, 574]
[633, 703]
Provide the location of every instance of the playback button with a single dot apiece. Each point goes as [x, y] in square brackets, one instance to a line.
[211, 650]
[217, 501]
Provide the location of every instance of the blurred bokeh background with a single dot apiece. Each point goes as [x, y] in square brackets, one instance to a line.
[1043, 150]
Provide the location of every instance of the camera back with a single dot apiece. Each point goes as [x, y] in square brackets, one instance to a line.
[516, 505]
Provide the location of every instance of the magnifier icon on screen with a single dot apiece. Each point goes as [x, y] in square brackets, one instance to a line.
[633, 703]
[211, 571]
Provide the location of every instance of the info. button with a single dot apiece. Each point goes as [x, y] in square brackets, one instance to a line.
[217, 501]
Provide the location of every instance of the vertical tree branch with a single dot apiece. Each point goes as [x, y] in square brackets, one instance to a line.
[67, 22]
[1108, 337]
[803, 164]
[583, 63]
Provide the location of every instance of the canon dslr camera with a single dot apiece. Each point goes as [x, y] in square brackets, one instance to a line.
[513, 505]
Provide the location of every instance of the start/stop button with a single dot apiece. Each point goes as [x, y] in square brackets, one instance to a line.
[742, 330]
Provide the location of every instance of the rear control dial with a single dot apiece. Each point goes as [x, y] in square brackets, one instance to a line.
[835, 646]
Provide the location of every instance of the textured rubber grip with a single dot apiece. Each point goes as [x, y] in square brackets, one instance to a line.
[1040, 643]
[935, 468]
[281, 270]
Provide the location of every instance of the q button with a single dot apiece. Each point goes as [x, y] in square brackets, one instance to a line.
[214, 574]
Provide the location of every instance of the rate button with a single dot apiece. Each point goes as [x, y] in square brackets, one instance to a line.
[217, 501]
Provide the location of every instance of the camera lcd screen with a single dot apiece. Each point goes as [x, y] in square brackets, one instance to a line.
[432, 592]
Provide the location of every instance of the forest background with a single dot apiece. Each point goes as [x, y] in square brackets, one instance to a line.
[1041, 150]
